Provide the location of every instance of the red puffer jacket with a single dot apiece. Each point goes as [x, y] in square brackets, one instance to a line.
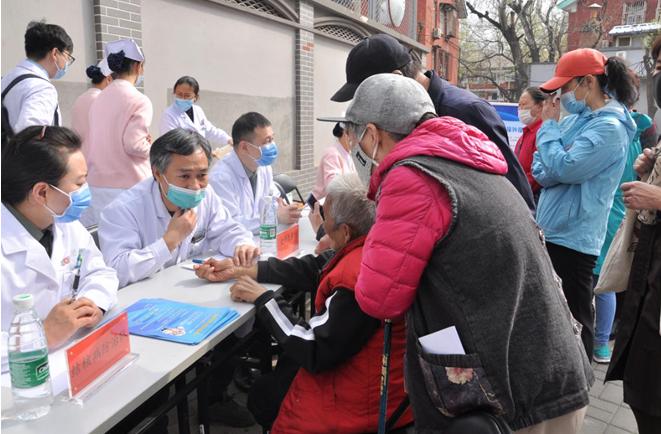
[345, 399]
[414, 212]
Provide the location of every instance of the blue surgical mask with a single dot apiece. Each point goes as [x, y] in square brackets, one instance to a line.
[139, 81]
[183, 104]
[79, 201]
[184, 198]
[570, 103]
[61, 71]
[269, 153]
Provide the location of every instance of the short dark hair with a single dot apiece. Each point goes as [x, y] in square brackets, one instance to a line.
[94, 73]
[338, 130]
[180, 142]
[536, 94]
[41, 38]
[29, 158]
[119, 63]
[244, 126]
[186, 79]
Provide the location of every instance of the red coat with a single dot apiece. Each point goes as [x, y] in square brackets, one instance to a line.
[524, 150]
[414, 212]
[345, 399]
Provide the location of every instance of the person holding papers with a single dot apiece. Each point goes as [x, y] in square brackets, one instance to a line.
[173, 215]
[336, 355]
[46, 252]
[454, 245]
[244, 176]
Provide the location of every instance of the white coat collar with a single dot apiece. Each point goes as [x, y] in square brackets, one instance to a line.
[34, 68]
[16, 239]
[155, 193]
[236, 165]
[181, 114]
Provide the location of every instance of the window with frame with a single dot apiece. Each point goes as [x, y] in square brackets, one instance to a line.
[448, 24]
[441, 60]
[634, 13]
[624, 41]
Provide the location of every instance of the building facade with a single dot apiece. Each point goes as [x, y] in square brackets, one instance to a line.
[282, 58]
[591, 21]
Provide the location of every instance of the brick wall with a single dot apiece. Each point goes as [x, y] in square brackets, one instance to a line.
[116, 19]
[304, 147]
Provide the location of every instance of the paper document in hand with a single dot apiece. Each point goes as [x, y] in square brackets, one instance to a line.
[444, 341]
[177, 322]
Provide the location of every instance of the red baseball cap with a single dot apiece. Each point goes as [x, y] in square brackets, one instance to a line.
[577, 63]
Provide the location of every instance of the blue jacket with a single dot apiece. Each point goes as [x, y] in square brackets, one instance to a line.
[643, 122]
[579, 162]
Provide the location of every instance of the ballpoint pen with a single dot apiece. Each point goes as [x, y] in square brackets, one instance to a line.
[76, 278]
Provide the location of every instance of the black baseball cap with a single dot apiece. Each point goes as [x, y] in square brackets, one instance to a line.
[373, 55]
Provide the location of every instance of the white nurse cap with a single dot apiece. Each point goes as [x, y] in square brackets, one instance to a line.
[128, 46]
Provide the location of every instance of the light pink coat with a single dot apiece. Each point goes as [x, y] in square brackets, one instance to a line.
[80, 115]
[118, 151]
[336, 161]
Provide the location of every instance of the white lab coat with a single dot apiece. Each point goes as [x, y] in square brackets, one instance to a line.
[33, 101]
[174, 118]
[229, 179]
[26, 268]
[131, 232]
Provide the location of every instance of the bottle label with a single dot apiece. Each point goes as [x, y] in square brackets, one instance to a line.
[267, 232]
[29, 369]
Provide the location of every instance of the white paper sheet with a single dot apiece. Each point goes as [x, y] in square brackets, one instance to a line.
[444, 341]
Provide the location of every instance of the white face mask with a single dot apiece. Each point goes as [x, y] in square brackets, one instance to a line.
[525, 117]
[364, 164]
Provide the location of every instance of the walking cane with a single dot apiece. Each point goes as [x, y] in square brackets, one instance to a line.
[385, 374]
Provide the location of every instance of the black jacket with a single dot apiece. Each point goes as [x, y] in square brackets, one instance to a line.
[637, 354]
[464, 105]
[330, 337]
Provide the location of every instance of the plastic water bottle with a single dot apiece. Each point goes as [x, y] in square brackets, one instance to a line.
[28, 361]
[268, 227]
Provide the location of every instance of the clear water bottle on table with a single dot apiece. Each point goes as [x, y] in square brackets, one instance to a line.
[28, 361]
[268, 227]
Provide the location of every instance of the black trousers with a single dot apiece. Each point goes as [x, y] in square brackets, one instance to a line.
[269, 390]
[647, 423]
[575, 270]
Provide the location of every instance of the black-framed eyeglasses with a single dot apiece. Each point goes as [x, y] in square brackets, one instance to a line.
[70, 58]
[321, 212]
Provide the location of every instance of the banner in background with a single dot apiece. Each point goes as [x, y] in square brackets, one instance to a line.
[508, 113]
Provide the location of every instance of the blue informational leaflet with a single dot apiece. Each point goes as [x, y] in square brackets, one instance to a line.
[177, 322]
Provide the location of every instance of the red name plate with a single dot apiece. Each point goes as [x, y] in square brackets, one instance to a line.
[98, 352]
[287, 242]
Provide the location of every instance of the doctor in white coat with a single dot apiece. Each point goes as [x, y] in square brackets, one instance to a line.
[172, 216]
[28, 94]
[44, 247]
[184, 113]
[244, 177]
